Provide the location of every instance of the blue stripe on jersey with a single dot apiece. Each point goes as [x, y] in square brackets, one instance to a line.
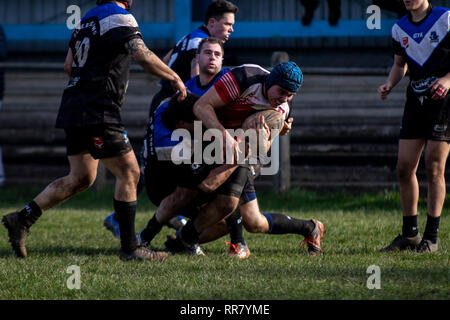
[105, 10]
[192, 85]
[161, 134]
[418, 32]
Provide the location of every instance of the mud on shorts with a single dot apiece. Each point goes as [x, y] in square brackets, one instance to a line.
[102, 141]
[426, 119]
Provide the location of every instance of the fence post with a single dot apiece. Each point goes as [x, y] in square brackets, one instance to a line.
[282, 180]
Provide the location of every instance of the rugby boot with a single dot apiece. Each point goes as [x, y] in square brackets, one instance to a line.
[403, 243]
[192, 248]
[173, 244]
[112, 225]
[238, 251]
[314, 240]
[17, 233]
[427, 246]
[142, 253]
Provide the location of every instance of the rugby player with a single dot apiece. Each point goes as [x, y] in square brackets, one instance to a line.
[98, 63]
[422, 45]
[218, 23]
[239, 93]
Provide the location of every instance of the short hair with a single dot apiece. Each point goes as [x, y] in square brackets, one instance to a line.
[217, 8]
[212, 40]
[179, 111]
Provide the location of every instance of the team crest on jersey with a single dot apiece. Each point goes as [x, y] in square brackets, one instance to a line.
[434, 37]
[405, 41]
[98, 142]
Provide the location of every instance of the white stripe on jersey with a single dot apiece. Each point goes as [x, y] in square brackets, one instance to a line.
[194, 43]
[231, 86]
[116, 21]
[420, 52]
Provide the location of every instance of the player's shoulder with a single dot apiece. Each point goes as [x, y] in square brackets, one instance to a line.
[249, 74]
[111, 16]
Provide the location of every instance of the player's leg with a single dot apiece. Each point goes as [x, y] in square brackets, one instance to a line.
[310, 6]
[83, 169]
[436, 153]
[126, 171]
[278, 223]
[409, 152]
[223, 204]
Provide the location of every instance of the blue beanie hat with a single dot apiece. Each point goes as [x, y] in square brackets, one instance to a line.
[287, 75]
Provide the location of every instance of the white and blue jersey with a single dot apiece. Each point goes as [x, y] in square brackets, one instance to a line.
[100, 69]
[425, 45]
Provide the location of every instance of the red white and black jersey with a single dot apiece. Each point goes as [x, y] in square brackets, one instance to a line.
[100, 70]
[242, 89]
[425, 45]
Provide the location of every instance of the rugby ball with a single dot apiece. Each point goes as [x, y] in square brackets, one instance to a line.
[274, 119]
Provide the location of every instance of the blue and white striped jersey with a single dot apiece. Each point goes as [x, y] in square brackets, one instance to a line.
[426, 44]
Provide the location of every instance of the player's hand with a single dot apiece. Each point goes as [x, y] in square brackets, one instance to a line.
[439, 88]
[384, 90]
[287, 126]
[231, 147]
[178, 85]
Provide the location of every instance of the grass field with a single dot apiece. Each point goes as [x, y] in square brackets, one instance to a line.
[278, 269]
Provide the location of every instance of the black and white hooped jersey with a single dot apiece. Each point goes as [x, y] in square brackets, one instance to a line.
[100, 69]
[183, 53]
[425, 45]
[242, 89]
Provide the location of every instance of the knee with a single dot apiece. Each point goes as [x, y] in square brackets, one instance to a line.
[82, 182]
[435, 171]
[405, 170]
[256, 226]
[227, 205]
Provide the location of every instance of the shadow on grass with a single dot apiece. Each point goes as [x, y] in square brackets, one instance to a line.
[294, 199]
[53, 251]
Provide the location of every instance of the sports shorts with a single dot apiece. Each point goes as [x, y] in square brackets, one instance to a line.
[424, 118]
[102, 141]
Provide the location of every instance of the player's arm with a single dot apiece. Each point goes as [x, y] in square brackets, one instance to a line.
[68, 63]
[396, 74]
[216, 178]
[153, 65]
[204, 109]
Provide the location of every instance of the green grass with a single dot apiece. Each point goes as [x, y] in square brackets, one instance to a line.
[278, 269]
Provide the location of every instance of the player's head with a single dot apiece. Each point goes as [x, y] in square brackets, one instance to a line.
[126, 3]
[210, 56]
[180, 114]
[219, 19]
[283, 82]
[412, 5]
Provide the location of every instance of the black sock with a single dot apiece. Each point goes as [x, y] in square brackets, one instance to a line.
[282, 224]
[410, 228]
[234, 224]
[126, 213]
[432, 228]
[152, 229]
[29, 215]
[188, 232]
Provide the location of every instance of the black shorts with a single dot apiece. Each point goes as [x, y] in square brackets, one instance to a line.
[102, 141]
[426, 120]
[235, 183]
[162, 178]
